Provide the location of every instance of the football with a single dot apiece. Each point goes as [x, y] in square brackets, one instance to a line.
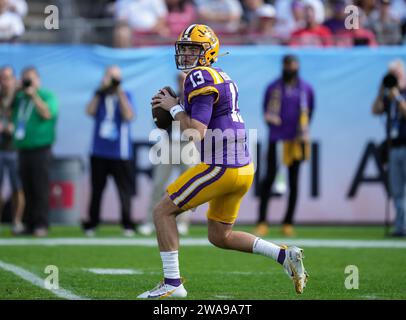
[161, 117]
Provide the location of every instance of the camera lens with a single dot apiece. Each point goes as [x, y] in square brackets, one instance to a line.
[390, 81]
[26, 83]
[115, 82]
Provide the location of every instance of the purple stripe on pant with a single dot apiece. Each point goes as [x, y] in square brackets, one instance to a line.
[187, 184]
[203, 185]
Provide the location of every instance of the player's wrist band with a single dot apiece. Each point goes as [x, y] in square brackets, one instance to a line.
[175, 110]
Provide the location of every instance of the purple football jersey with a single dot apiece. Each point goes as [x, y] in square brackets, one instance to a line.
[291, 101]
[225, 142]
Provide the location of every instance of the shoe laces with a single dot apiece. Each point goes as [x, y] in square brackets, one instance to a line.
[159, 285]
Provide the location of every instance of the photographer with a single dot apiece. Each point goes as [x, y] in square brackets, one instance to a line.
[8, 154]
[111, 151]
[34, 116]
[391, 101]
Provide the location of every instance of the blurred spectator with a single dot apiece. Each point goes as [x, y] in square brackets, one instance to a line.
[291, 14]
[142, 15]
[319, 9]
[18, 6]
[224, 16]
[260, 27]
[181, 13]
[34, 116]
[111, 152]
[249, 10]
[11, 23]
[287, 109]
[356, 37]
[313, 34]
[368, 7]
[122, 35]
[138, 17]
[266, 16]
[337, 22]
[398, 9]
[385, 26]
[8, 155]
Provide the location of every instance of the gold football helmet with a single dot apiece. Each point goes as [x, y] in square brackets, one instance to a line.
[197, 45]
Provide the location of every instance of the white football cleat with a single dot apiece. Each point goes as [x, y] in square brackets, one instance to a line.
[146, 229]
[163, 290]
[18, 228]
[90, 233]
[293, 265]
[128, 233]
[183, 228]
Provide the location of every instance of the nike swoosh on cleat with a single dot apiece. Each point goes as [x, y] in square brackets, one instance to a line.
[167, 294]
[161, 295]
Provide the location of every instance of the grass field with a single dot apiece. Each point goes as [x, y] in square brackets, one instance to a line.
[210, 273]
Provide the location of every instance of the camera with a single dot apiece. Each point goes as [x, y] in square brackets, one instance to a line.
[26, 83]
[115, 82]
[390, 81]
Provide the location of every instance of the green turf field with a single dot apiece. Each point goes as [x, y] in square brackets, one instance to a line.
[210, 273]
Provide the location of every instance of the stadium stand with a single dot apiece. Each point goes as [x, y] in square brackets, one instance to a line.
[381, 21]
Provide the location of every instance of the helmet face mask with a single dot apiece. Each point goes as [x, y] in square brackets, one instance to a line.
[196, 46]
[189, 55]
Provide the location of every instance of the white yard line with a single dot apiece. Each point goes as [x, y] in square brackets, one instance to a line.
[118, 271]
[242, 273]
[151, 242]
[114, 271]
[37, 281]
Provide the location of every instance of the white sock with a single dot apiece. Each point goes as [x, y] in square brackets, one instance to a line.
[266, 248]
[170, 263]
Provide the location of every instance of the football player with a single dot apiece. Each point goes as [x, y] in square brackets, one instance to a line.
[226, 172]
